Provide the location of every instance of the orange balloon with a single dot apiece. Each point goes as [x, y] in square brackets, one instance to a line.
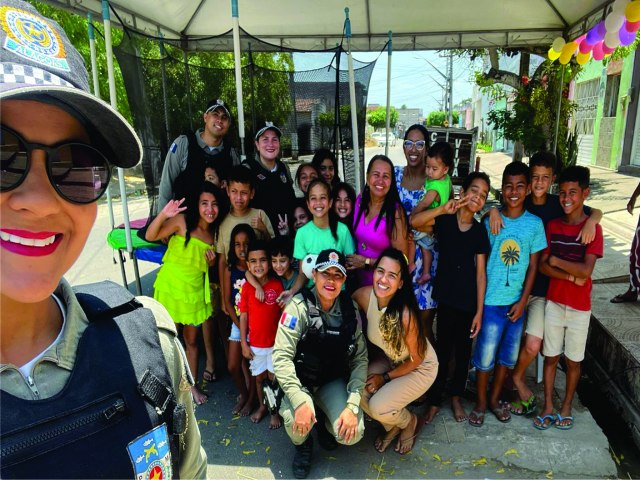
[570, 48]
[565, 57]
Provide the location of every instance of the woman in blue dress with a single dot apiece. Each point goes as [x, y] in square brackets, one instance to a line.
[410, 181]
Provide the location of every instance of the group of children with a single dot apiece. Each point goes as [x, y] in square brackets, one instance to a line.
[491, 280]
[539, 250]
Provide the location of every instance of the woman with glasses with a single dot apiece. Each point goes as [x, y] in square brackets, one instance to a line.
[410, 181]
[326, 164]
[89, 374]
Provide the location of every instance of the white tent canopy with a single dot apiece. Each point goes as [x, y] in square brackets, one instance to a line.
[317, 25]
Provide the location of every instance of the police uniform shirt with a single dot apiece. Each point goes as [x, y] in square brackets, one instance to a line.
[176, 162]
[294, 322]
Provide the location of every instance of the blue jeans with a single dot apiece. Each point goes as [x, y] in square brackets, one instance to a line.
[498, 340]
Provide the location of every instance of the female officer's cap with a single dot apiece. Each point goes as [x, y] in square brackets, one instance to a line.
[38, 62]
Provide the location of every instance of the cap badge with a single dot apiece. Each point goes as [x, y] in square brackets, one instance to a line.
[31, 37]
[333, 256]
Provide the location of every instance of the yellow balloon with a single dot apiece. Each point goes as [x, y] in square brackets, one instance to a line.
[569, 48]
[583, 58]
[565, 57]
[553, 55]
[632, 12]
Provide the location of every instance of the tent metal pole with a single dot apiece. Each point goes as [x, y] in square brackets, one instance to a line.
[238, 65]
[388, 121]
[555, 136]
[352, 99]
[163, 71]
[96, 92]
[112, 97]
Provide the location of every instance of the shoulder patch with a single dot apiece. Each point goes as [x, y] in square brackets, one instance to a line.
[288, 320]
[173, 147]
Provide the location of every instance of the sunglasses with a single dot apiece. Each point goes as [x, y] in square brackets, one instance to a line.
[78, 172]
[408, 144]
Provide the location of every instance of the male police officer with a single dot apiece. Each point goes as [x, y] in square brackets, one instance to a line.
[189, 154]
[320, 360]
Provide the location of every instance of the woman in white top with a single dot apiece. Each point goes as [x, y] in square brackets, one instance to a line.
[404, 365]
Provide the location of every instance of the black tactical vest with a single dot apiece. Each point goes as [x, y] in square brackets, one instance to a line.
[323, 354]
[191, 178]
[119, 389]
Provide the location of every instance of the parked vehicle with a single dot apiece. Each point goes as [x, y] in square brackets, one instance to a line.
[380, 137]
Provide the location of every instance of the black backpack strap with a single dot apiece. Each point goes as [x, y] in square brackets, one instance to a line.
[312, 308]
[108, 301]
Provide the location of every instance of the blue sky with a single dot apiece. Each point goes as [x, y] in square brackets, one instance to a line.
[411, 77]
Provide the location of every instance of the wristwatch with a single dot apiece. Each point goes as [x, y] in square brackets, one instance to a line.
[354, 408]
[386, 377]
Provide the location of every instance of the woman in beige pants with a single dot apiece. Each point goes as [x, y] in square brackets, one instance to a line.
[404, 365]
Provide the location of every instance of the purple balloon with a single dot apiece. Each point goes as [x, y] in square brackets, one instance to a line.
[592, 36]
[602, 30]
[626, 38]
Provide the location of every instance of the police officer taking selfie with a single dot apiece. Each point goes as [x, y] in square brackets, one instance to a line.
[320, 362]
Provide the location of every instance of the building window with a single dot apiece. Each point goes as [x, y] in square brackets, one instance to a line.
[611, 95]
[587, 99]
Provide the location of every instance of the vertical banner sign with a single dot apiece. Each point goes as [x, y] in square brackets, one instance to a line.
[463, 143]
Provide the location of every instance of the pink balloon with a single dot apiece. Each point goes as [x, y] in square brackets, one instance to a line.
[632, 26]
[580, 38]
[626, 38]
[597, 53]
[585, 47]
[607, 50]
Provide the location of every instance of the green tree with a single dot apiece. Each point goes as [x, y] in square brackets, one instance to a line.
[378, 118]
[437, 118]
[76, 28]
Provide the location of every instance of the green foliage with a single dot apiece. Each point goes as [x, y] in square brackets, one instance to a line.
[484, 146]
[378, 118]
[437, 118]
[532, 117]
[493, 90]
[622, 52]
[76, 28]
[271, 95]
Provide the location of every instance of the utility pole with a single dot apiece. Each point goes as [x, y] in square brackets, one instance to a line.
[447, 88]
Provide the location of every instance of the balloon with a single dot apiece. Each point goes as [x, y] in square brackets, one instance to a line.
[613, 22]
[612, 39]
[619, 6]
[606, 50]
[583, 58]
[632, 11]
[558, 44]
[565, 56]
[585, 47]
[569, 48]
[626, 38]
[580, 39]
[553, 55]
[632, 26]
[598, 54]
[592, 36]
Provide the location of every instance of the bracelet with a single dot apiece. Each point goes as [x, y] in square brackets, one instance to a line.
[385, 377]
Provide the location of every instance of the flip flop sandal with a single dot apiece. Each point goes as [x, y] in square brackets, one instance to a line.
[624, 297]
[542, 425]
[212, 376]
[524, 407]
[479, 418]
[560, 419]
[502, 414]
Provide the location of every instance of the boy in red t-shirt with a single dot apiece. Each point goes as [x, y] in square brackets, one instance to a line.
[260, 321]
[569, 264]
